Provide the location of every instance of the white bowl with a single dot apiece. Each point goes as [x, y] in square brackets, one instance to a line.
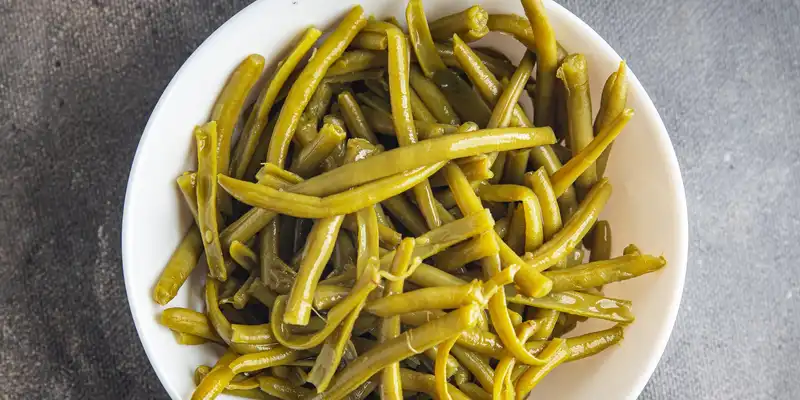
[647, 207]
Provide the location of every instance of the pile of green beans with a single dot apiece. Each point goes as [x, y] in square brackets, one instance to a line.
[390, 220]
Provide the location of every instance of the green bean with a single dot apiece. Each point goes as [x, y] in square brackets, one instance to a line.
[275, 274]
[515, 237]
[186, 339]
[546, 321]
[357, 61]
[419, 110]
[332, 351]
[447, 199]
[474, 391]
[533, 213]
[612, 103]
[370, 41]
[187, 183]
[490, 88]
[272, 170]
[445, 297]
[425, 383]
[310, 157]
[207, 146]
[381, 122]
[473, 250]
[313, 114]
[184, 320]
[226, 113]
[507, 101]
[601, 242]
[575, 168]
[263, 294]
[376, 102]
[581, 304]
[556, 353]
[356, 123]
[575, 75]
[421, 39]
[547, 61]
[498, 66]
[242, 295]
[428, 276]
[244, 256]
[281, 388]
[539, 182]
[408, 343]
[516, 166]
[221, 324]
[264, 359]
[433, 98]
[254, 127]
[367, 221]
[470, 23]
[520, 28]
[300, 93]
[326, 296]
[467, 104]
[213, 383]
[571, 235]
[356, 76]
[359, 149]
[316, 254]
[252, 334]
[506, 364]
[575, 258]
[599, 273]
[476, 365]
[391, 387]
[179, 267]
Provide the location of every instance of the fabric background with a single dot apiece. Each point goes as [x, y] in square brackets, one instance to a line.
[79, 78]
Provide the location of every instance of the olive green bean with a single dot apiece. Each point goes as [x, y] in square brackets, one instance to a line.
[539, 182]
[599, 273]
[581, 304]
[516, 166]
[534, 235]
[433, 98]
[556, 353]
[252, 334]
[421, 39]
[254, 127]
[356, 123]
[356, 61]
[425, 383]
[574, 169]
[332, 352]
[310, 157]
[370, 41]
[499, 66]
[308, 80]
[419, 110]
[468, 105]
[207, 163]
[221, 324]
[316, 254]
[244, 256]
[612, 103]
[226, 113]
[408, 343]
[475, 249]
[476, 365]
[184, 320]
[547, 62]
[574, 73]
[469, 23]
[601, 242]
[520, 28]
[281, 388]
[187, 183]
[186, 339]
[180, 265]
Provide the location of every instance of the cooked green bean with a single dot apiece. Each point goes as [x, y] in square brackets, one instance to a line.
[252, 334]
[244, 256]
[476, 365]
[242, 295]
[612, 103]
[357, 61]
[221, 324]
[539, 182]
[428, 276]
[499, 66]
[470, 23]
[187, 183]
[421, 39]
[433, 98]
[391, 387]
[572, 170]
[388, 236]
[534, 235]
[425, 383]
[310, 157]
[183, 260]
[547, 61]
[332, 352]
[581, 304]
[226, 113]
[381, 122]
[262, 293]
[601, 242]
[489, 87]
[575, 75]
[406, 214]
[515, 237]
[599, 273]
[467, 104]
[188, 339]
[356, 123]
[516, 165]
[555, 353]
[520, 28]
[300, 93]
[254, 127]
[207, 214]
[418, 108]
[408, 343]
[188, 321]
[275, 274]
[507, 101]
[316, 254]
[370, 41]
[281, 388]
[467, 252]
[273, 170]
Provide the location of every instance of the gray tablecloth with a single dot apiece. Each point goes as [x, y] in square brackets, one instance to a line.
[79, 78]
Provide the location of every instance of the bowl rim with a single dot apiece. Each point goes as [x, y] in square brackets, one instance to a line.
[671, 311]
